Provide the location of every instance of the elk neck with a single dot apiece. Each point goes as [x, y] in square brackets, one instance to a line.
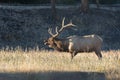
[62, 44]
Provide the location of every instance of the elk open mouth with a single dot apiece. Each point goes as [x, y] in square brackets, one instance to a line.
[47, 44]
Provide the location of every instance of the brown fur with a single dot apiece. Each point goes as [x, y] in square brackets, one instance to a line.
[57, 44]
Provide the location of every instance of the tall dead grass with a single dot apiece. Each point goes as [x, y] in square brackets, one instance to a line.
[42, 61]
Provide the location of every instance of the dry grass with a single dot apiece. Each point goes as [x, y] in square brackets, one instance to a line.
[47, 61]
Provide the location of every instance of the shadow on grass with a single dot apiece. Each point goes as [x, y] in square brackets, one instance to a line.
[53, 75]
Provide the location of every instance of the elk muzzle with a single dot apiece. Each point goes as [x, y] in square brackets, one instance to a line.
[46, 42]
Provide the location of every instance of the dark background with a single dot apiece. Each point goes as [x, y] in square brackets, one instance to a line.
[27, 28]
[58, 1]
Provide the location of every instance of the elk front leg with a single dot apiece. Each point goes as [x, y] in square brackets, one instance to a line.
[73, 54]
[98, 53]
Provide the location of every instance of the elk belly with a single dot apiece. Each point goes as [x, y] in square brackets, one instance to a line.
[86, 49]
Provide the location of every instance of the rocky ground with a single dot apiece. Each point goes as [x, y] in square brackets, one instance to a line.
[27, 27]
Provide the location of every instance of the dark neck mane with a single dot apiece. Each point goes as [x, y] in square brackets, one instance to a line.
[61, 45]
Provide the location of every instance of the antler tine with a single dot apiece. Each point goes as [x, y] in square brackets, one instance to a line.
[50, 32]
[63, 21]
[60, 30]
[70, 24]
[57, 33]
[67, 25]
[53, 35]
[56, 30]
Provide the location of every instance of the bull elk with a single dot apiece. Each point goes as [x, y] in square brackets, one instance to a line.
[74, 44]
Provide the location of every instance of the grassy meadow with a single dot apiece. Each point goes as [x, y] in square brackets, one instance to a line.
[29, 63]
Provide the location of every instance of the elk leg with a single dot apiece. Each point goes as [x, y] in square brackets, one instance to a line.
[73, 54]
[98, 53]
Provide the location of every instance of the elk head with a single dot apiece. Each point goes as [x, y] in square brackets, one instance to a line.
[53, 41]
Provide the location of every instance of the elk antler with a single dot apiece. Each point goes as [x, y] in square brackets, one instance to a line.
[60, 30]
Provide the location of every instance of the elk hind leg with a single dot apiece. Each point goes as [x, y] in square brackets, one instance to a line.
[98, 53]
